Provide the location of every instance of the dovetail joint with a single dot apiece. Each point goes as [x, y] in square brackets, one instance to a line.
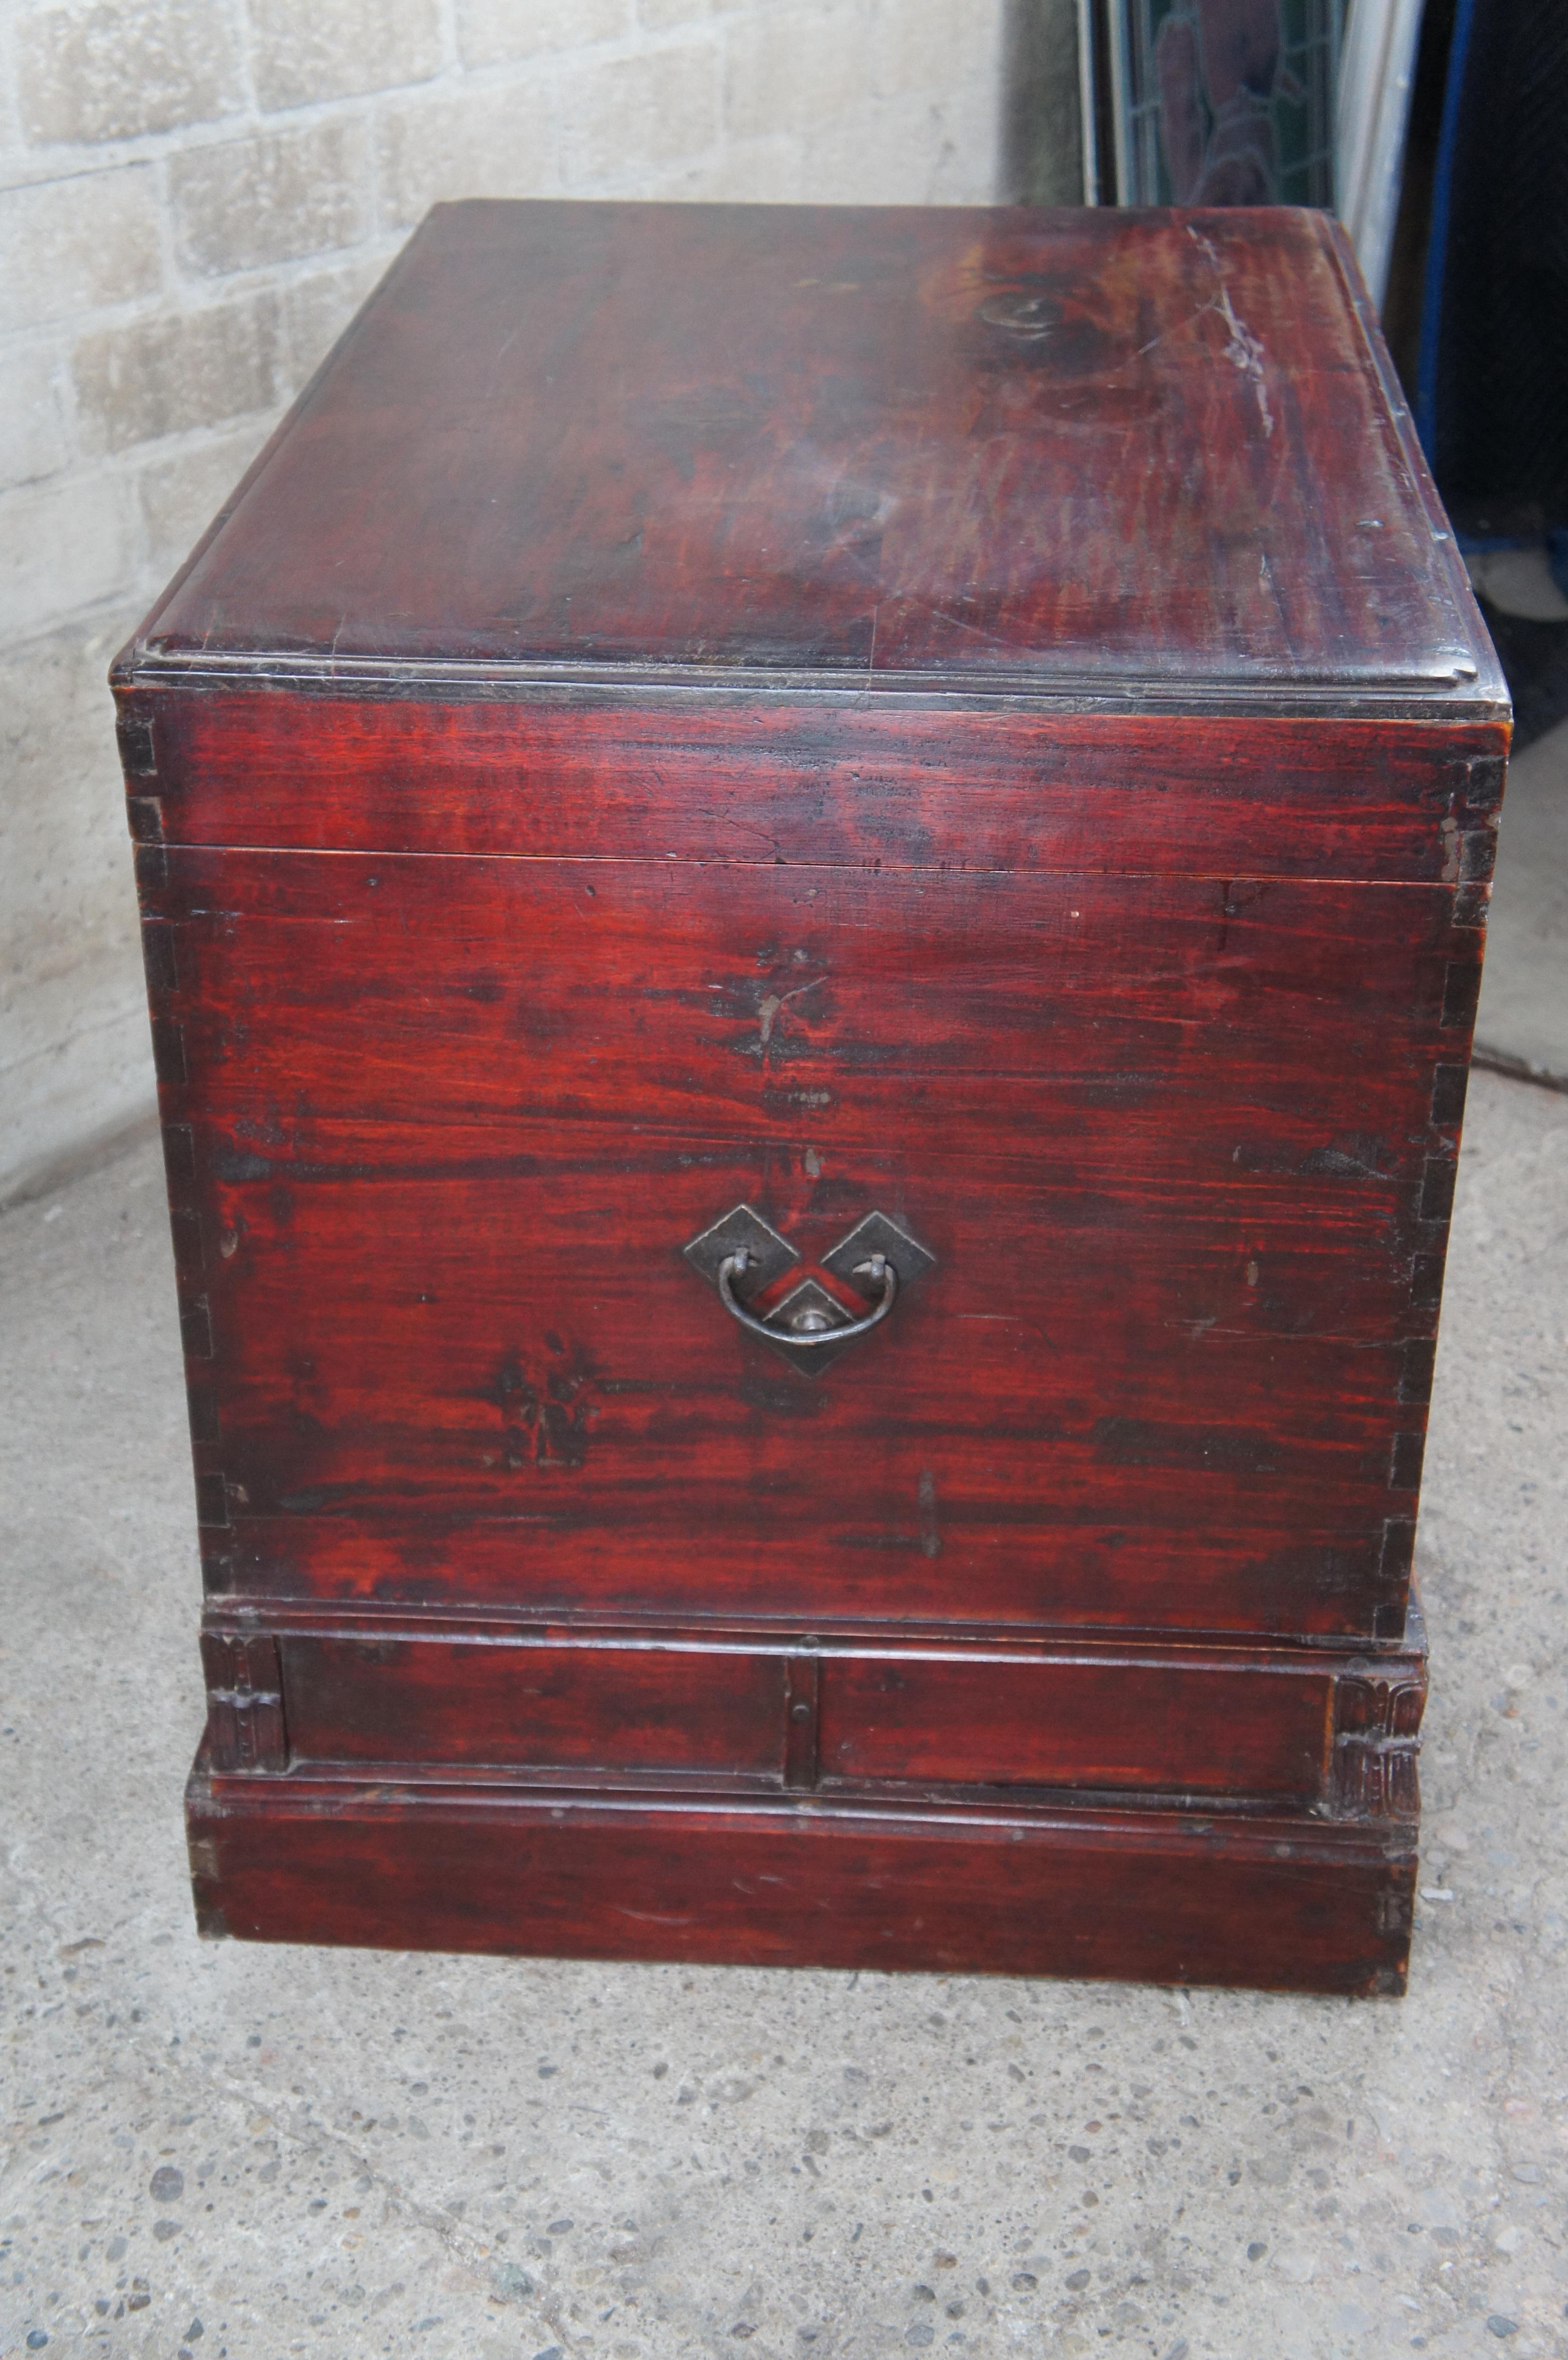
[1405, 1458]
[1461, 991]
[1436, 1201]
[1449, 1085]
[1483, 775]
[196, 1329]
[1426, 1282]
[1397, 1554]
[139, 751]
[178, 1158]
[212, 1501]
[1416, 1371]
[168, 1053]
[158, 956]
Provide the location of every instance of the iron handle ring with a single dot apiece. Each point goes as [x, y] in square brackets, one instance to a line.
[879, 1268]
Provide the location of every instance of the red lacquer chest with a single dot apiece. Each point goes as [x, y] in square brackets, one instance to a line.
[813, 884]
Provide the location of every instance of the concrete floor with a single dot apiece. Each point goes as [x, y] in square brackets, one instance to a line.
[222, 2150]
[1523, 1016]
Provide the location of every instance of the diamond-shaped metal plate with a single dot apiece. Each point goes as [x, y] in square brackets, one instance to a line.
[808, 1297]
[741, 1228]
[877, 1235]
[771, 1256]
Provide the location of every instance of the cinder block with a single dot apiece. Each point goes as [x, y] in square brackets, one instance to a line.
[76, 1074]
[490, 143]
[742, 172]
[502, 32]
[67, 245]
[318, 309]
[861, 154]
[249, 202]
[303, 52]
[74, 1059]
[180, 495]
[176, 371]
[795, 68]
[908, 151]
[90, 70]
[623, 117]
[962, 140]
[67, 899]
[929, 46]
[63, 545]
[66, 893]
[32, 432]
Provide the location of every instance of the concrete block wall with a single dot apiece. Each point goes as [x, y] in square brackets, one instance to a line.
[194, 195]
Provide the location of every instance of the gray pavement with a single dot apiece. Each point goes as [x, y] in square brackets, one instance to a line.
[1523, 1016]
[227, 2150]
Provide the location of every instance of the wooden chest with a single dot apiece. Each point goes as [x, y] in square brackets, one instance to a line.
[813, 885]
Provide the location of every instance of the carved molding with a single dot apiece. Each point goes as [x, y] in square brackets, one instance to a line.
[244, 1702]
[1376, 1741]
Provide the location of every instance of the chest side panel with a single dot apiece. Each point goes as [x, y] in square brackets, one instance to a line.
[1181, 1150]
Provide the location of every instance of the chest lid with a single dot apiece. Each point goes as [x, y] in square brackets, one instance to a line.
[1071, 456]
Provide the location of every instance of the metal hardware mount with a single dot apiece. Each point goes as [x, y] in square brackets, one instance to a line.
[742, 1256]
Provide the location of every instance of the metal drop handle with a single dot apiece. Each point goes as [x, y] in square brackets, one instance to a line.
[813, 1326]
[878, 1259]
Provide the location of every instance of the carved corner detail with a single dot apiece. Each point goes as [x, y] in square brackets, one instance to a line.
[1377, 1741]
[244, 1702]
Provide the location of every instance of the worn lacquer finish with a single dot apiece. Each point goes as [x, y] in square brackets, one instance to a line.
[966, 443]
[1282, 1903]
[1238, 1727]
[972, 716]
[1174, 1369]
[836, 780]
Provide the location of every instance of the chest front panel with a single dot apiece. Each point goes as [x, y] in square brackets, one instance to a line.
[1178, 1145]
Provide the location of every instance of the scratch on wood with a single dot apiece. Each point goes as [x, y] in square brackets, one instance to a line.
[931, 1535]
[1452, 850]
[1245, 353]
[139, 754]
[1243, 350]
